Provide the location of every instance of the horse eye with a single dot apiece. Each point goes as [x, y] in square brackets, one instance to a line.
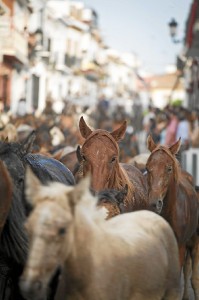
[113, 159]
[21, 180]
[62, 231]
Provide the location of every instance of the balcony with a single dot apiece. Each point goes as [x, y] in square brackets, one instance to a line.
[13, 44]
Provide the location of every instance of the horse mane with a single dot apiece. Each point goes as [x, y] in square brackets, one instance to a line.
[177, 169]
[120, 179]
[6, 148]
[14, 240]
[82, 200]
[108, 195]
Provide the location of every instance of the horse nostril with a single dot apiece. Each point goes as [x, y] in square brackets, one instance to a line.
[159, 205]
[38, 285]
[28, 287]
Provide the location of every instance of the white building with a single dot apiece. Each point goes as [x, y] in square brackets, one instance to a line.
[67, 41]
[120, 69]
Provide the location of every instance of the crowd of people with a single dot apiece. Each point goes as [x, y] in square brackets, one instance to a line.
[168, 125]
[165, 126]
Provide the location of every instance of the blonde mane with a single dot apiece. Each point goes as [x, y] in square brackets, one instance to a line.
[87, 203]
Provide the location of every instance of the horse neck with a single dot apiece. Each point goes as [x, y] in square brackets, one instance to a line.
[85, 230]
[170, 203]
[119, 180]
[79, 264]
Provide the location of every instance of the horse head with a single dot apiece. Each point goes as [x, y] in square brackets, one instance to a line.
[100, 154]
[50, 230]
[162, 172]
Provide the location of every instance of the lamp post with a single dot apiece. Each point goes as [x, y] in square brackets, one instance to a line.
[173, 26]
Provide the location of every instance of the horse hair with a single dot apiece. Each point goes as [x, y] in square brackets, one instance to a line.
[14, 240]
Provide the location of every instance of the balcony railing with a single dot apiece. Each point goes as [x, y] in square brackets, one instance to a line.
[13, 43]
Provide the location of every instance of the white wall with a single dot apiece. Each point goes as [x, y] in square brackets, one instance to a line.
[18, 88]
[161, 97]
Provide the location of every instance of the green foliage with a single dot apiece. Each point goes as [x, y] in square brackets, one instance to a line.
[176, 102]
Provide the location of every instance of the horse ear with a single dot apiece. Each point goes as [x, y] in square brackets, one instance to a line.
[84, 129]
[78, 153]
[81, 189]
[32, 186]
[119, 133]
[175, 147]
[26, 146]
[150, 143]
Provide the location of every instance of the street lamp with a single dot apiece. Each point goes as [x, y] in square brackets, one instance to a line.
[173, 25]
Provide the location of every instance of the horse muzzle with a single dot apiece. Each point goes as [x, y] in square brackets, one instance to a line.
[32, 290]
[157, 206]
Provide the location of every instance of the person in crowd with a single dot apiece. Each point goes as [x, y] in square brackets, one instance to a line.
[161, 126]
[183, 130]
[194, 135]
[147, 119]
[137, 111]
[153, 130]
[171, 128]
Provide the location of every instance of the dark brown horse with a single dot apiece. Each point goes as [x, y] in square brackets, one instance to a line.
[14, 240]
[172, 194]
[6, 190]
[100, 157]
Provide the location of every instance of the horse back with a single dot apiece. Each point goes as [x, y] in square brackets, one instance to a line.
[187, 207]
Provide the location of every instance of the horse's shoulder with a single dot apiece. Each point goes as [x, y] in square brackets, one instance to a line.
[134, 174]
[131, 169]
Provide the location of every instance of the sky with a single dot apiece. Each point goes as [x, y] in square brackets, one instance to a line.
[141, 27]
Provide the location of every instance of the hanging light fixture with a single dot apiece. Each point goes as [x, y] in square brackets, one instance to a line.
[173, 27]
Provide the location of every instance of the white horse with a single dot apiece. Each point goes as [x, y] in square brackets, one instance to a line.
[131, 256]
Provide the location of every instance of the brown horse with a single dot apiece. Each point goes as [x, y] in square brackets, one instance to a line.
[6, 190]
[107, 260]
[100, 158]
[172, 194]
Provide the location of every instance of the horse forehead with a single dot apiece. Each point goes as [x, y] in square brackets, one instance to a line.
[159, 156]
[45, 213]
[100, 145]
